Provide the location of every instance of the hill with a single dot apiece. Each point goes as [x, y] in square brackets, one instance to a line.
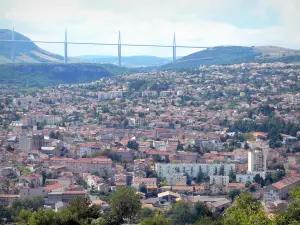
[49, 74]
[24, 51]
[128, 61]
[223, 55]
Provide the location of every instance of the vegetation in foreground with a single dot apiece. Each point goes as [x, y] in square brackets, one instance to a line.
[126, 208]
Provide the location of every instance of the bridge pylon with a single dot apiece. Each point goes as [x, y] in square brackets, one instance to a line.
[13, 57]
[119, 50]
[66, 47]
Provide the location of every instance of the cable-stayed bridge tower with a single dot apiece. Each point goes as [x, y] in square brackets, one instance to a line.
[174, 49]
[119, 49]
[13, 57]
[66, 48]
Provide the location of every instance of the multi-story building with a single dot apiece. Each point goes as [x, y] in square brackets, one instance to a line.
[101, 165]
[110, 95]
[220, 180]
[257, 161]
[192, 169]
[88, 148]
[244, 178]
[149, 93]
[137, 181]
[280, 189]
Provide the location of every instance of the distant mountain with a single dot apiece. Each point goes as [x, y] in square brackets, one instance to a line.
[49, 74]
[223, 55]
[24, 51]
[128, 61]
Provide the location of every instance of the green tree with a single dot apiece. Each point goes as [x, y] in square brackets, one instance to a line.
[233, 193]
[24, 216]
[157, 219]
[82, 208]
[4, 214]
[202, 210]
[125, 202]
[145, 213]
[232, 175]
[183, 213]
[200, 176]
[216, 171]
[109, 218]
[222, 170]
[246, 210]
[290, 216]
[143, 188]
[44, 217]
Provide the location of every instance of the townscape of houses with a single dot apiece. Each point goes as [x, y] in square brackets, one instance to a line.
[170, 135]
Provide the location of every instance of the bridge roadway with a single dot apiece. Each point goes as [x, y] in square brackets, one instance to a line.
[98, 43]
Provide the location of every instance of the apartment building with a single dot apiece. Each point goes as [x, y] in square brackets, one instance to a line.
[280, 189]
[101, 165]
[137, 181]
[110, 95]
[257, 161]
[219, 180]
[192, 169]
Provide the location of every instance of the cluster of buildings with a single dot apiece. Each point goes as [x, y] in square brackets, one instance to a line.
[166, 134]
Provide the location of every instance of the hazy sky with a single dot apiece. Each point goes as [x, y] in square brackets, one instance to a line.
[196, 22]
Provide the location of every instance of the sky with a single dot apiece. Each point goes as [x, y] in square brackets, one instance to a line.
[196, 22]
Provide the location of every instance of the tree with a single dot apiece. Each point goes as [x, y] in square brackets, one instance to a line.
[246, 146]
[143, 188]
[291, 215]
[183, 213]
[24, 216]
[258, 179]
[202, 210]
[200, 176]
[44, 176]
[188, 179]
[44, 217]
[157, 219]
[246, 211]
[82, 208]
[252, 188]
[109, 218]
[145, 213]
[233, 193]
[232, 175]
[4, 214]
[125, 202]
[9, 148]
[216, 171]
[222, 172]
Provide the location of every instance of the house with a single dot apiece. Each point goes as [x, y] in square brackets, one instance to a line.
[7, 199]
[27, 192]
[232, 186]
[244, 178]
[137, 181]
[280, 189]
[220, 180]
[66, 196]
[125, 155]
[102, 165]
[168, 196]
[219, 206]
[183, 189]
[54, 187]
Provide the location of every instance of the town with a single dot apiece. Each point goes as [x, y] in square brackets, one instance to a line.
[193, 135]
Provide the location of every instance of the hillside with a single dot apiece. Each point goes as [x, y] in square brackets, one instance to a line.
[24, 52]
[48, 74]
[223, 55]
[128, 61]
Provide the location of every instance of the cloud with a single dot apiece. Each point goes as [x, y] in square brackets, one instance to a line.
[196, 22]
